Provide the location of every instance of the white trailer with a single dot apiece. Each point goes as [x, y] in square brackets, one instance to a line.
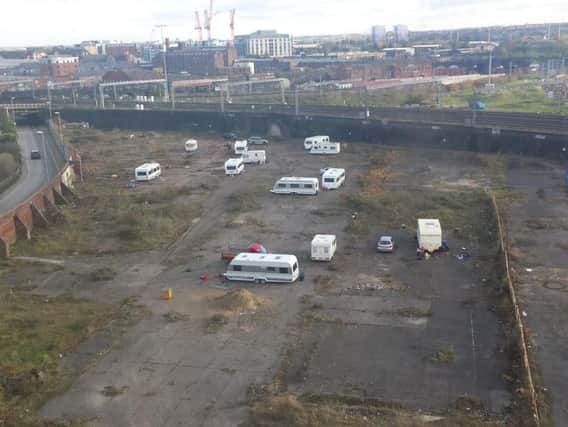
[234, 166]
[429, 234]
[323, 247]
[296, 185]
[255, 157]
[240, 147]
[147, 172]
[263, 268]
[191, 145]
[310, 141]
[332, 178]
[326, 148]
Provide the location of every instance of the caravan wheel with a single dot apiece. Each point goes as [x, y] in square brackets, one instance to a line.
[260, 281]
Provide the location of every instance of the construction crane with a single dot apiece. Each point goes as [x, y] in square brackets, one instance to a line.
[208, 16]
[198, 26]
[232, 25]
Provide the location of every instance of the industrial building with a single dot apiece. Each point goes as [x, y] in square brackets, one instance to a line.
[267, 43]
[203, 61]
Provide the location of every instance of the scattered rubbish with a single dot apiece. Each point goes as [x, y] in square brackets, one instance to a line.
[112, 391]
[354, 215]
[188, 270]
[204, 277]
[524, 314]
[114, 176]
[529, 270]
[131, 185]
[403, 226]
[167, 293]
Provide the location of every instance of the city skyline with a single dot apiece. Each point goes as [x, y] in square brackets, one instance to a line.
[57, 22]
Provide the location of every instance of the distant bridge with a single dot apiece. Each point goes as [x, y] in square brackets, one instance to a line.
[26, 107]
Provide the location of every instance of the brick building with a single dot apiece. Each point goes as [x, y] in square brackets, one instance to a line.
[204, 61]
[60, 67]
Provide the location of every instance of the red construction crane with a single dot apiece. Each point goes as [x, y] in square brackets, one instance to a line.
[198, 26]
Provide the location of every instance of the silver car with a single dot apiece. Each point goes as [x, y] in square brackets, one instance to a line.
[385, 244]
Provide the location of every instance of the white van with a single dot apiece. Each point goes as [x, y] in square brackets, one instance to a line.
[326, 148]
[147, 172]
[323, 247]
[332, 178]
[313, 140]
[263, 268]
[191, 145]
[234, 166]
[255, 157]
[296, 185]
[240, 147]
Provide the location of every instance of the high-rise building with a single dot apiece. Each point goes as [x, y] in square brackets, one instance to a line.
[401, 33]
[378, 33]
[265, 43]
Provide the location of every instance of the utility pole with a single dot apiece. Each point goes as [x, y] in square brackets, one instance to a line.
[296, 102]
[161, 27]
[49, 85]
[222, 99]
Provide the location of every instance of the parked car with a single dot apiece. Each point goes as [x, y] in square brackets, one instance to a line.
[230, 136]
[257, 140]
[35, 154]
[385, 244]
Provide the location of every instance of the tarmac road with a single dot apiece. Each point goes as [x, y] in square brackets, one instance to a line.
[35, 173]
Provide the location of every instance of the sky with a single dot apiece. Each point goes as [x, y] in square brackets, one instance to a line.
[51, 22]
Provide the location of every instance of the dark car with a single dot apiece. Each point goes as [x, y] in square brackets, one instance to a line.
[230, 136]
[35, 154]
[257, 140]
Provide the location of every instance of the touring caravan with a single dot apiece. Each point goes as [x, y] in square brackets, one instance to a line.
[326, 148]
[323, 247]
[429, 234]
[234, 166]
[191, 145]
[296, 185]
[314, 140]
[263, 268]
[147, 172]
[240, 147]
[255, 157]
[332, 178]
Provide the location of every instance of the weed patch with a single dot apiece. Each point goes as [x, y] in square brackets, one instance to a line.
[216, 323]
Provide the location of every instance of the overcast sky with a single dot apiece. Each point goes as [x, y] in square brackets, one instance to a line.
[42, 22]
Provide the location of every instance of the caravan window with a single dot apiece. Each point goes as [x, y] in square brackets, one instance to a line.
[295, 266]
[271, 269]
[237, 268]
[308, 186]
[281, 185]
[284, 270]
[141, 173]
[295, 185]
[329, 180]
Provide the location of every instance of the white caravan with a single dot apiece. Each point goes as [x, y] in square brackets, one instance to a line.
[263, 268]
[429, 234]
[191, 145]
[326, 148]
[323, 247]
[296, 185]
[234, 166]
[240, 147]
[310, 141]
[147, 172]
[332, 178]
[255, 157]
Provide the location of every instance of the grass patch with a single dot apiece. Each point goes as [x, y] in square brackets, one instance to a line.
[174, 316]
[35, 332]
[245, 201]
[412, 312]
[446, 354]
[113, 391]
[216, 323]
[343, 411]
[102, 274]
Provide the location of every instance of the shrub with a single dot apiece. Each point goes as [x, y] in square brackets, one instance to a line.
[8, 165]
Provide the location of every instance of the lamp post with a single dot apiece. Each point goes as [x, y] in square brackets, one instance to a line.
[60, 131]
[12, 108]
[161, 27]
[40, 132]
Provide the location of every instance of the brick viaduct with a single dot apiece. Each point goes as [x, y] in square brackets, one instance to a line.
[37, 211]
